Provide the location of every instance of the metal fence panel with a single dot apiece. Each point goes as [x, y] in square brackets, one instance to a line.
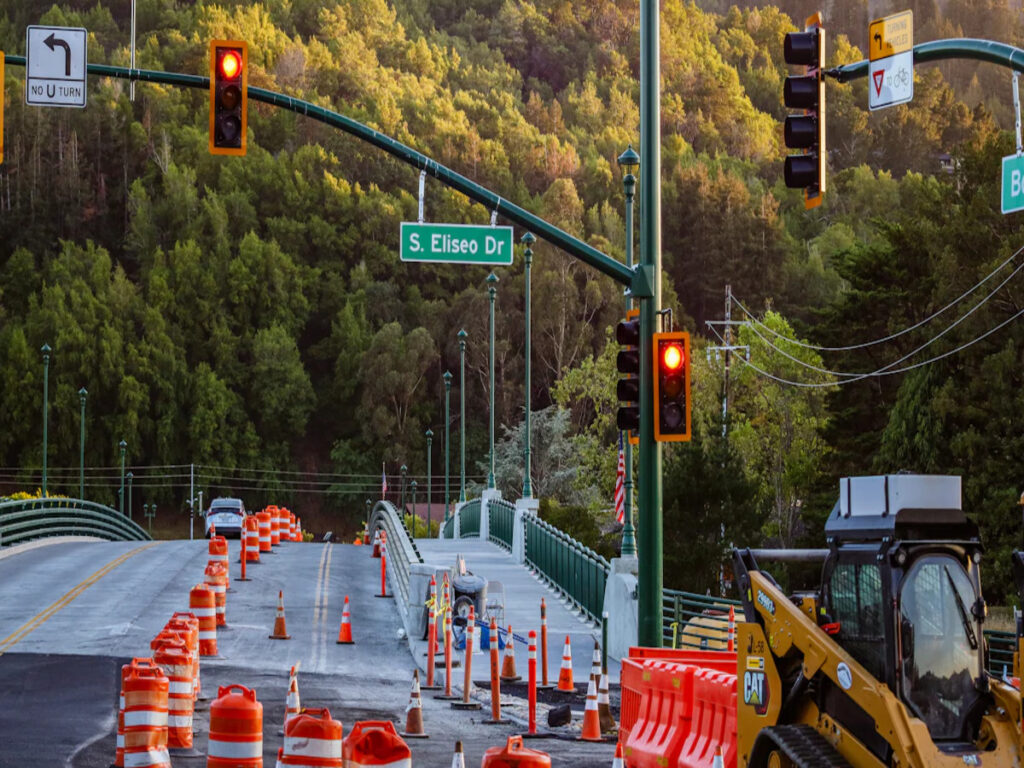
[501, 520]
[576, 571]
[469, 519]
[38, 518]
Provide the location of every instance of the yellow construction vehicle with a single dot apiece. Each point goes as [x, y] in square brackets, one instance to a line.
[885, 663]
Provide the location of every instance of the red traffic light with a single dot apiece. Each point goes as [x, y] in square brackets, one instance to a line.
[672, 357]
[230, 65]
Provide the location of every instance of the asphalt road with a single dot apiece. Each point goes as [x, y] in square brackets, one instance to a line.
[72, 613]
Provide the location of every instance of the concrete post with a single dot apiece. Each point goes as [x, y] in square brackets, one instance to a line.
[524, 507]
[621, 605]
[485, 517]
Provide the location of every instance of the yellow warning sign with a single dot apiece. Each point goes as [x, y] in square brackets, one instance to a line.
[891, 35]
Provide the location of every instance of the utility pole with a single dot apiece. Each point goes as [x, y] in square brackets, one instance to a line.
[728, 348]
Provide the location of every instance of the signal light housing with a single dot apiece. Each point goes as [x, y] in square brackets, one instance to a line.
[229, 82]
[806, 131]
[627, 362]
[672, 387]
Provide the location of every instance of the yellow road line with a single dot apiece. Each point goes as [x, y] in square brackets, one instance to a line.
[40, 618]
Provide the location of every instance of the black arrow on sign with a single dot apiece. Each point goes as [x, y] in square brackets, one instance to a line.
[878, 39]
[51, 41]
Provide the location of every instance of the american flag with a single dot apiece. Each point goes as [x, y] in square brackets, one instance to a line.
[383, 482]
[620, 488]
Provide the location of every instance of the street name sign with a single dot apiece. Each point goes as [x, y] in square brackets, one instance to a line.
[55, 66]
[891, 56]
[1013, 184]
[455, 243]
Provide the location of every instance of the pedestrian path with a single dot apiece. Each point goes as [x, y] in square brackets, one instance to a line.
[523, 593]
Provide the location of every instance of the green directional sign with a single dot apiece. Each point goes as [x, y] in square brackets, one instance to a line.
[456, 243]
[1013, 183]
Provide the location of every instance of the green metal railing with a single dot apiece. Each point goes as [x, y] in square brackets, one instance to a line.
[37, 518]
[501, 519]
[574, 570]
[1001, 646]
[469, 519]
[448, 530]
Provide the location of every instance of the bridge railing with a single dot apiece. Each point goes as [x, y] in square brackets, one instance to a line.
[501, 521]
[469, 519]
[576, 571]
[38, 518]
[401, 551]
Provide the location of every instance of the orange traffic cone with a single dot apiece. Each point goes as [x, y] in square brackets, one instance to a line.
[732, 628]
[595, 663]
[591, 719]
[280, 632]
[618, 761]
[345, 630]
[292, 708]
[414, 712]
[719, 761]
[565, 673]
[508, 661]
[604, 709]
[458, 761]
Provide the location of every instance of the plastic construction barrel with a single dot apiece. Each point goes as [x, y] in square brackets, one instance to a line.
[292, 533]
[252, 539]
[236, 729]
[173, 658]
[216, 575]
[375, 743]
[203, 603]
[264, 521]
[275, 526]
[312, 740]
[188, 623]
[515, 755]
[218, 550]
[119, 748]
[145, 717]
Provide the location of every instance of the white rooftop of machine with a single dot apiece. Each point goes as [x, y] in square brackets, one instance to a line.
[883, 495]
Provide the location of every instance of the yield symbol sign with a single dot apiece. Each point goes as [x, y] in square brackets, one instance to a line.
[51, 41]
[878, 76]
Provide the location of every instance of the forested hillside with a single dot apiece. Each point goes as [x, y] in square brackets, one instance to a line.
[252, 313]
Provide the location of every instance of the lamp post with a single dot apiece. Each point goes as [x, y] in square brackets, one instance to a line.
[447, 429]
[492, 291]
[369, 507]
[145, 513]
[403, 470]
[83, 393]
[462, 414]
[528, 240]
[129, 477]
[430, 440]
[45, 349]
[629, 161]
[650, 576]
[124, 447]
[412, 497]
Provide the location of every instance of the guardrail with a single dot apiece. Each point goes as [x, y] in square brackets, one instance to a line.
[576, 571]
[401, 551]
[448, 529]
[469, 519]
[1001, 646]
[38, 518]
[501, 518]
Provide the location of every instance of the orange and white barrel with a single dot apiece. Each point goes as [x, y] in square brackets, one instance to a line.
[312, 740]
[236, 729]
[275, 526]
[264, 521]
[291, 526]
[216, 576]
[218, 550]
[203, 603]
[182, 621]
[145, 718]
[176, 662]
[252, 539]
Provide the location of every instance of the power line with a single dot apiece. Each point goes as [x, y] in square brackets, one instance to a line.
[892, 336]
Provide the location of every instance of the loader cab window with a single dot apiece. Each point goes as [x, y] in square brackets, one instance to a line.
[855, 600]
[939, 644]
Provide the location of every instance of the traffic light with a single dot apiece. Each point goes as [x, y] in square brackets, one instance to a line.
[672, 387]
[627, 390]
[229, 61]
[806, 131]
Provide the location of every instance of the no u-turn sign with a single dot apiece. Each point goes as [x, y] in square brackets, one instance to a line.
[55, 66]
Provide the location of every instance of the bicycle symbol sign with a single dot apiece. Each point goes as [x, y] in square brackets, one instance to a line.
[892, 81]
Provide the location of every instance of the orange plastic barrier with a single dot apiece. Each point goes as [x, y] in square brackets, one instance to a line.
[312, 740]
[375, 743]
[515, 755]
[275, 526]
[216, 575]
[145, 717]
[714, 720]
[252, 539]
[119, 747]
[203, 603]
[664, 715]
[173, 657]
[264, 521]
[236, 729]
[187, 625]
[218, 550]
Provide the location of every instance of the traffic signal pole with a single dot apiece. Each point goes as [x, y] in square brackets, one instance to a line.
[648, 290]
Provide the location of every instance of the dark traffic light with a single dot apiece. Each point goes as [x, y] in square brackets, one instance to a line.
[806, 131]
[672, 386]
[627, 390]
[228, 82]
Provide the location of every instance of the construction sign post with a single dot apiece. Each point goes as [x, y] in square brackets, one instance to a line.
[891, 47]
